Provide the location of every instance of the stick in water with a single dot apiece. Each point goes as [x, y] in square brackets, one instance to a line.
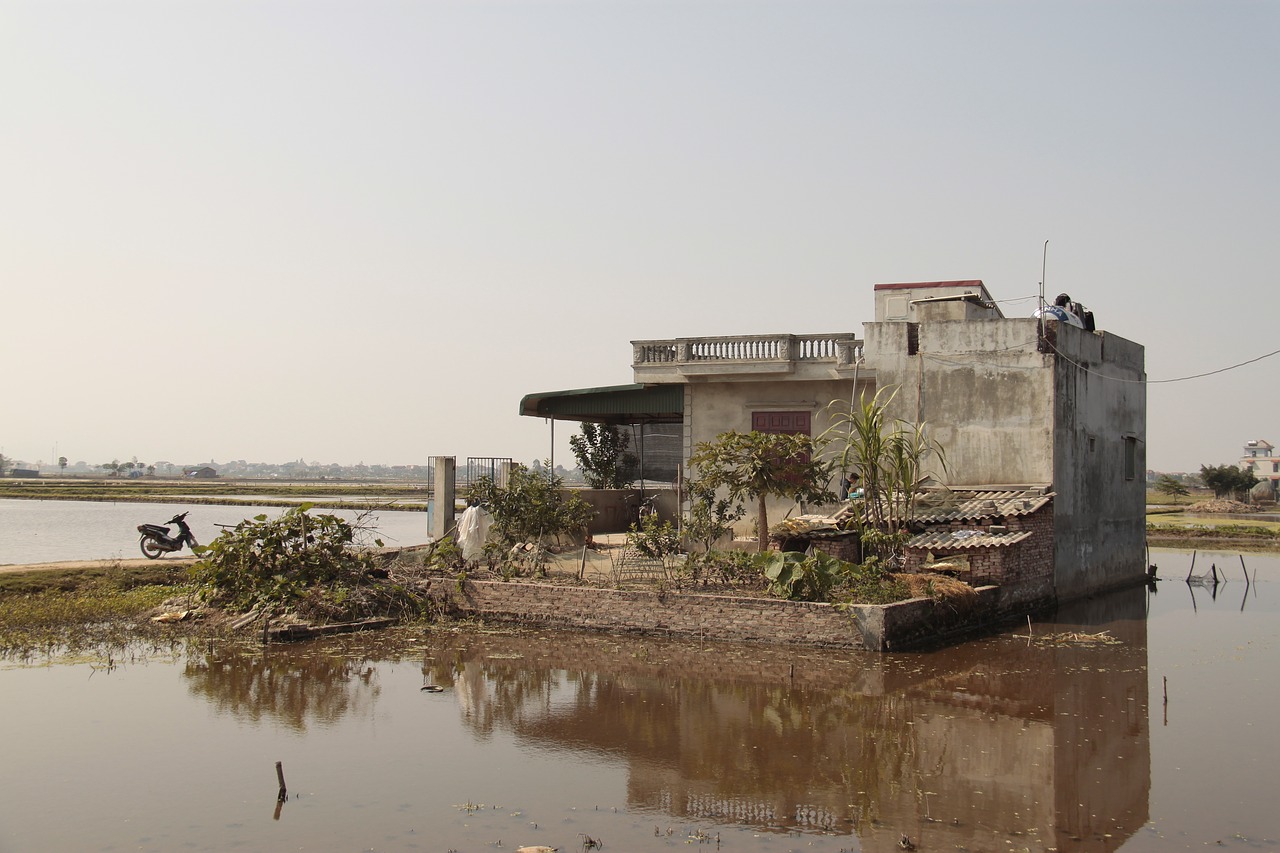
[284, 792]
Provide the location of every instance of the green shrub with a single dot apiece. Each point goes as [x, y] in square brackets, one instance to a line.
[726, 567]
[533, 506]
[821, 577]
[654, 538]
[299, 562]
[872, 582]
[800, 577]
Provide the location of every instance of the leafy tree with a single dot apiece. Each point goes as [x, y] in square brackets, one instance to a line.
[62, 464]
[711, 515]
[1170, 486]
[532, 506]
[5, 462]
[1227, 480]
[602, 455]
[757, 466]
[113, 466]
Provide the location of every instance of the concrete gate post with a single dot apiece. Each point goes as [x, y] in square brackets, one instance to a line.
[443, 495]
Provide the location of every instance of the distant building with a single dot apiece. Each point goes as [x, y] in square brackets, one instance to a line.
[1260, 458]
[204, 473]
[28, 473]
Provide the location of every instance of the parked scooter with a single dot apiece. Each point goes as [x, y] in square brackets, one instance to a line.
[155, 539]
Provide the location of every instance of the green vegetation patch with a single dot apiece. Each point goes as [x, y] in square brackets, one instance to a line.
[1242, 529]
[94, 613]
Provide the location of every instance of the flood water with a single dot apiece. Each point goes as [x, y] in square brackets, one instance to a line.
[51, 531]
[1009, 743]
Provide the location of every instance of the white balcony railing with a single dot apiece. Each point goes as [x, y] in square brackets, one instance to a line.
[840, 349]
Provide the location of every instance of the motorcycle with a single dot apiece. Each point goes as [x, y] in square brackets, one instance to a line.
[155, 539]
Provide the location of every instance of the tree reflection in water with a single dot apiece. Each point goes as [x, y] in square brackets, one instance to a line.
[292, 688]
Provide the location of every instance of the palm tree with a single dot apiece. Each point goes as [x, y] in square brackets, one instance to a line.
[889, 455]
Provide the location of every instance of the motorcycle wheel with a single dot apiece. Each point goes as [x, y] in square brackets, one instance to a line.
[150, 548]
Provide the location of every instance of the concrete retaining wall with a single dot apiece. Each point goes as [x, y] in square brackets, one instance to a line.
[902, 625]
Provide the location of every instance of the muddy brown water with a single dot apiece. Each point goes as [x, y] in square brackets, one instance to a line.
[1056, 738]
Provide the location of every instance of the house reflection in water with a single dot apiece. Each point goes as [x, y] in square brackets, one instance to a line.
[1012, 740]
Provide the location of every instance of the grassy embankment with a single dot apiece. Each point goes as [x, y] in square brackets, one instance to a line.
[83, 608]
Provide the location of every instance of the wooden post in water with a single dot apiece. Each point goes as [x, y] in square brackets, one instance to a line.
[284, 792]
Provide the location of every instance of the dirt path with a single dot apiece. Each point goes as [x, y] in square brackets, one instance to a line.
[74, 565]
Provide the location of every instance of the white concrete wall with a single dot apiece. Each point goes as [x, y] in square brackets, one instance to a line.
[712, 408]
[982, 390]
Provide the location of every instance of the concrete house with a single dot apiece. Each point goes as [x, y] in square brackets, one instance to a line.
[1029, 411]
[1260, 458]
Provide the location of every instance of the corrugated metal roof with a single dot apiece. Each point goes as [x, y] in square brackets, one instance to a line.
[611, 404]
[968, 506]
[951, 540]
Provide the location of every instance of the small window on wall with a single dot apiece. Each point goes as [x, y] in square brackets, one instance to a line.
[1130, 458]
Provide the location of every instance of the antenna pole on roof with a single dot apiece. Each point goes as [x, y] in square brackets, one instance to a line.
[1044, 260]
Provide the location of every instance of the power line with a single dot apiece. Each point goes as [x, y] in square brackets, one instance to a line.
[1069, 360]
[1212, 372]
[946, 359]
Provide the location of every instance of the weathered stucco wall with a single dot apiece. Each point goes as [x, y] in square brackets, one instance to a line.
[1073, 416]
[1100, 412]
[616, 508]
[980, 387]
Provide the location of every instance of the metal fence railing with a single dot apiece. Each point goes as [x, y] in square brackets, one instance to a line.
[494, 467]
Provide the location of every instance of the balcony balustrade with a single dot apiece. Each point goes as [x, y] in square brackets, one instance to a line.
[743, 354]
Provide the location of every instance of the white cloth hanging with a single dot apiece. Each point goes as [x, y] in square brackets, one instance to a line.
[473, 530]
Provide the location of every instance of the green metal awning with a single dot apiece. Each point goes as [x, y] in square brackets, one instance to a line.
[613, 404]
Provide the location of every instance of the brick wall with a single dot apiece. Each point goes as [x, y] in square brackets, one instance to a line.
[1023, 571]
[712, 617]
[846, 548]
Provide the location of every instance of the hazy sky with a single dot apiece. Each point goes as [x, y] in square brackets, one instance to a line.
[362, 231]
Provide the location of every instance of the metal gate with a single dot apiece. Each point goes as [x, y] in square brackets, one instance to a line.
[495, 468]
